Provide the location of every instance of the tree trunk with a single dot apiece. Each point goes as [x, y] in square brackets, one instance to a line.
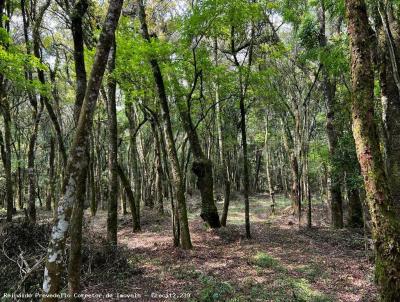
[329, 88]
[131, 198]
[390, 99]
[112, 219]
[51, 185]
[355, 209]
[223, 158]
[74, 265]
[92, 182]
[267, 168]
[77, 161]
[246, 180]
[129, 112]
[7, 153]
[159, 170]
[31, 164]
[385, 224]
[169, 138]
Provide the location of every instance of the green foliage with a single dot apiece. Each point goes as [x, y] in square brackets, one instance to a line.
[214, 290]
[14, 63]
[265, 260]
[308, 32]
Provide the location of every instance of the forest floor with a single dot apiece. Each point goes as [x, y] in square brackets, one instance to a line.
[281, 262]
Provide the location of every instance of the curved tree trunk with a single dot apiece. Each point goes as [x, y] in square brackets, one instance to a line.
[131, 198]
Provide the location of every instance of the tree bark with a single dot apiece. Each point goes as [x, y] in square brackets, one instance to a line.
[74, 265]
[385, 224]
[77, 161]
[390, 99]
[112, 219]
[159, 170]
[224, 162]
[267, 167]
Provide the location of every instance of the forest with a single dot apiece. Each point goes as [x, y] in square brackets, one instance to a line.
[202, 150]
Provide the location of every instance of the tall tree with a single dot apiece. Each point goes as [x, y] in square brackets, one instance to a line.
[113, 151]
[5, 110]
[329, 89]
[169, 138]
[77, 160]
[385, 224]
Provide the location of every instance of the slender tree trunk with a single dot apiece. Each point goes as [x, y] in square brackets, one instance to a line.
[174, 207]
[329, 87]
[134, 158]
[51, 185]
[246, 180]
[5, 110]
[390, 99]
[385, 223]
[74, 265]
[77, 161]
[7, 154]
[169, 138]
[159, 170]
[92, 181]
[31, 165]
[258, 167]
[224, 164]
[112, 219]
[131, 198]
[267, 168]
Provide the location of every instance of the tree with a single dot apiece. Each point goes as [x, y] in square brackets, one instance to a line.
[329, 89]
[77, 158]
[170, 143]
[112, 219]
[385, 225]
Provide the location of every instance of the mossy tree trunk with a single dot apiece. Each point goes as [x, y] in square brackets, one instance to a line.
[385, 223]
[390, 99]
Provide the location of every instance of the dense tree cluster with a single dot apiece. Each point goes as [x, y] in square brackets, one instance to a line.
[141, 103]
